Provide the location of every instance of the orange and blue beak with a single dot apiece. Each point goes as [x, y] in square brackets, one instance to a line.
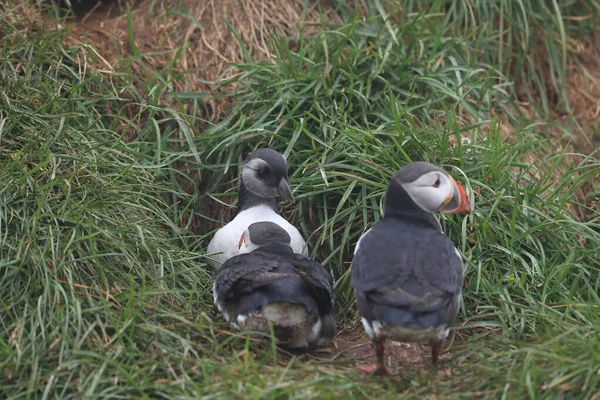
[457, 201]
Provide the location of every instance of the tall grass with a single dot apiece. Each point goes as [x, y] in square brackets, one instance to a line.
[103, 287]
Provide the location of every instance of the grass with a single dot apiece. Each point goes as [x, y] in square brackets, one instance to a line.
[103, 289]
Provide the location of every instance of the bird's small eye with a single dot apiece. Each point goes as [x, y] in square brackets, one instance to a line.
[436, 184]
[265, 170]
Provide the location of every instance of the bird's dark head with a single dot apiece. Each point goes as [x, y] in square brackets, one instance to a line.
[264, 234]
[429, 187]
[264, 173]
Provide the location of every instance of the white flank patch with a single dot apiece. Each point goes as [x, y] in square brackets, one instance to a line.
[240, 320]
[225, 244]
[316, 329]
[359, 239]
[377, 327]
[444, 334]
[215, 297]
[218, 303]
[458, 253]
[403, 334]
[368, 328]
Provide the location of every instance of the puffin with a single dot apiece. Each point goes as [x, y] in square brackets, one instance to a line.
[270, 285]
[263, 178]
[406, 273]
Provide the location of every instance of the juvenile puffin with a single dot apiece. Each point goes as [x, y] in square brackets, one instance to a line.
[263, 178]
[407, 275]
[270, 284]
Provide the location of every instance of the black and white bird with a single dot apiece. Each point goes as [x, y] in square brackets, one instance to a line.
[270, 284]
[407, 275]
[263, 178]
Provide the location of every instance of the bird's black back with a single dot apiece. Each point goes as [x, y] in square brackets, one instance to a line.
[248, 282]
[409, 265]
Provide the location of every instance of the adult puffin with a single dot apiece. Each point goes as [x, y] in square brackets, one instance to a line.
[263, 178]
[407, 275]
[269, 284]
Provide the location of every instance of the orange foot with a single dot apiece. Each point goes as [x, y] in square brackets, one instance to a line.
[377, 370]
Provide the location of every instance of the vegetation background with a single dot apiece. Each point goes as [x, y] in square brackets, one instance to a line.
[121, 129]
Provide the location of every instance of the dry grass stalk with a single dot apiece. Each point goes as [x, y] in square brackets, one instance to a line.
[201, 28]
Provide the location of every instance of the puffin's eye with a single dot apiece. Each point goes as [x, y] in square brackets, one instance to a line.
[437, 182]
[265, 170]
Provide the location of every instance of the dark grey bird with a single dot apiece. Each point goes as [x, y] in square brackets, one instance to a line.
[263, 178]
[268, 284]
[406, 273]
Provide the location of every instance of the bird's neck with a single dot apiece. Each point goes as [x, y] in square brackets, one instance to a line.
[247, 199]
[398, 204]
[275, 248]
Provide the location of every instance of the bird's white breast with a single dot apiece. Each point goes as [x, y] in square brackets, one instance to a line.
[225, 243]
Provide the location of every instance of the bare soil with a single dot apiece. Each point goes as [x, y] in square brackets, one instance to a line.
[356, 347]
[198, 40]
[583, 89]
[352, 348]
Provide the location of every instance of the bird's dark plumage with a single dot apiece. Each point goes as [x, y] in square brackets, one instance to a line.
[263, 233]
[273, 279]
[415, 287]
[406, 273]
[415, 171]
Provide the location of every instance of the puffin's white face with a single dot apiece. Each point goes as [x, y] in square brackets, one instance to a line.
[254, 173]
[266, 180]
[245, 244]
[436, 191]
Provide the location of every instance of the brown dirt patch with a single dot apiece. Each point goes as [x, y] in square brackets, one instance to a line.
[352, 347]
[582, 86]
[196, 40]
[359, 350]
[583, 89]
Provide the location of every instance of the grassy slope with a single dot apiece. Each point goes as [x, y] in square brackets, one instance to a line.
[103, 291]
